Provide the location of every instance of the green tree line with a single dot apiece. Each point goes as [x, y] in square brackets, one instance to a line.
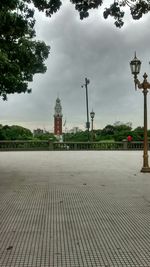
[16, 132]
[108, 133]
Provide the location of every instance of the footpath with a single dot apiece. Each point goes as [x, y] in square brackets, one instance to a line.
[74, 209]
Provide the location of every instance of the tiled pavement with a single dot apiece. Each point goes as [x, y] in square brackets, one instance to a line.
[74, 209]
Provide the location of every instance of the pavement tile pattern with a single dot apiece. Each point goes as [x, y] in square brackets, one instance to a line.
[85, 223]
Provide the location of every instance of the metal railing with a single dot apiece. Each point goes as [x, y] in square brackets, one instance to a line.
[48, 145]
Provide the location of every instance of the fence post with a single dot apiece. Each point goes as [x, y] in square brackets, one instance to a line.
[50, 145]
[125, 144]
[75, 146]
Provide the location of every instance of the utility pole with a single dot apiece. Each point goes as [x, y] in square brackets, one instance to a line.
[87, 81]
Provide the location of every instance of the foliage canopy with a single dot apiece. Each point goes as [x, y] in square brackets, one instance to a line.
[109, 132]
[15, 132]
[116, 9]
[21, 56]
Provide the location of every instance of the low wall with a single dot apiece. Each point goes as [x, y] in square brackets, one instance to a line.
[48, 145]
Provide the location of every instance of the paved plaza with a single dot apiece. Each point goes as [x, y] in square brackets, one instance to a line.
[74, 209]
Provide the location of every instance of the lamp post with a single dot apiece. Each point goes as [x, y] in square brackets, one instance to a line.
[135, 65]
[92, 114]
[87, 81]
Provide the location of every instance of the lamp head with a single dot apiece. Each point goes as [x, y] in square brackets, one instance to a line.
[92, 114]
[135, 66]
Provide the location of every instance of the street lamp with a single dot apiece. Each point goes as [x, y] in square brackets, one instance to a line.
[92, 114]
[87, 81]
[135, 65]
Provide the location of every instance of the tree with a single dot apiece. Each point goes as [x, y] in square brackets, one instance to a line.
[76, 137]
[15, 132]
[108, 130]
[39, 134]
[122, 131]
[21, 56]
[138, 133]
[137, 8]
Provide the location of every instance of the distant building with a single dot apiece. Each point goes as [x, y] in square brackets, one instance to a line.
[58, 118]
[75, 130]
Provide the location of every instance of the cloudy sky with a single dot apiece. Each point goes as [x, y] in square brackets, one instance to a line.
[92, 48]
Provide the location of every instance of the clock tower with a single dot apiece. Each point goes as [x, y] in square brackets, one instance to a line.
[58, 118]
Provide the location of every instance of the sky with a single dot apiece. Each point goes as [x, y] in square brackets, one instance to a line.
[92, 48]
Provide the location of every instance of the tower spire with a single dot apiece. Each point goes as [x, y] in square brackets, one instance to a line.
[58, 117]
